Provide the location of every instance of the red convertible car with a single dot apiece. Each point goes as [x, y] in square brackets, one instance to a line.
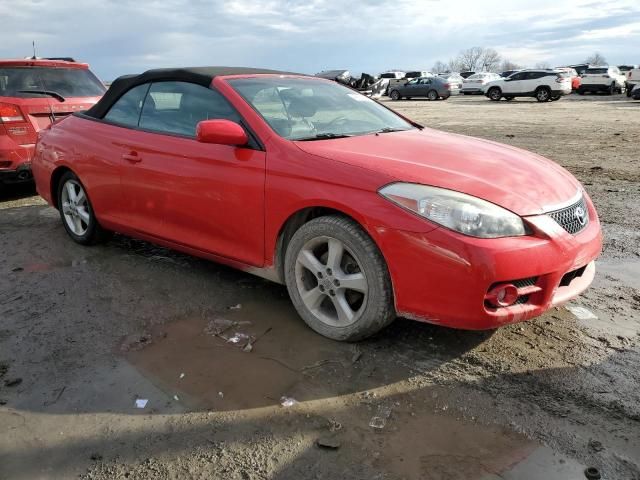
[362, 213]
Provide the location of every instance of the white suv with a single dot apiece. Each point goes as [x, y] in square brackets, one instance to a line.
[633, 80]
[602, 79]
[544, 85]
[473, 84]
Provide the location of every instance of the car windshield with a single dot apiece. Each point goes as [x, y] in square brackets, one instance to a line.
[306, 109]
[32, 81]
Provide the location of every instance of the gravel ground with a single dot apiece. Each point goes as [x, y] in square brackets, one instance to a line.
[85, 332]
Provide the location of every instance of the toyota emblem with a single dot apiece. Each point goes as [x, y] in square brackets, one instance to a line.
[581, 215]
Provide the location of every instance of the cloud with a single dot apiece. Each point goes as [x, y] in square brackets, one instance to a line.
[119, 36]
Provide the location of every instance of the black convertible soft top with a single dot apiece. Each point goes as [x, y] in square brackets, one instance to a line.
[199, 75]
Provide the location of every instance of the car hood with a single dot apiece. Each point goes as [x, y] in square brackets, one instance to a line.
[518, 180]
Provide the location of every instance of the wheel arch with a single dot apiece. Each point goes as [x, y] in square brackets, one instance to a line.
[303, 215]
[56, 175]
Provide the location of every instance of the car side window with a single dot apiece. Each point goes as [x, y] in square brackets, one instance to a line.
[177, 107]
[517, 76]
[126, 110]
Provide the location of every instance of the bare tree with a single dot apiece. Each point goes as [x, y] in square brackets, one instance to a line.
[596, 59]
[469, 59]
[543, 65]
[489, 60]
[477, 59]
[454, 65]
[509, 65]
[439, 67]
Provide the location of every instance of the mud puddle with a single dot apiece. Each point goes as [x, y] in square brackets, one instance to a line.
[249, 356]
[204, 364]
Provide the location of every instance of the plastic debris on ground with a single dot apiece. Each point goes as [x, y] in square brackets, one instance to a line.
[582, 313]
[238, 337]
[288, 401]
[141, 402]
[176, 398]
[181, 375]
[235, 307]
[379, 420]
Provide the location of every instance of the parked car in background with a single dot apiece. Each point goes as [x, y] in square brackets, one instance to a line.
[626, 68]
[431, 87]
[33, 94]
[544, 85]
[466, 74]
[573, 74]
[240, 166]
[474, 84]
[508, 73]
[602, 79]
[340, 76]
[635, 93]
[452, 78]
[632, 80]
[579, 67]
[391, 74]
[393, 82]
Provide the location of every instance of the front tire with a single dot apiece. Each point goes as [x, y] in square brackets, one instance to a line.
[338, 280]
[613, 89]
[395, 95]
[495, 94]
[76, 212]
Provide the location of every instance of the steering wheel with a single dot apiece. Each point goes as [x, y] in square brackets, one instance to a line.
[336, 120]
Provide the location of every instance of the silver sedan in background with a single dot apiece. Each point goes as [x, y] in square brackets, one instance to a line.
[431, 87]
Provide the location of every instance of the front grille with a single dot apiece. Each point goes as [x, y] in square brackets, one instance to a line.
[573, 218]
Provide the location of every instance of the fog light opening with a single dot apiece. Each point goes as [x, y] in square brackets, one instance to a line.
[503, 295]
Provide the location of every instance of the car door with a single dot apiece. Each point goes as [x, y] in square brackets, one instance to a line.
[201, 195]
[410, 89]
[512, 84]
[424, 85]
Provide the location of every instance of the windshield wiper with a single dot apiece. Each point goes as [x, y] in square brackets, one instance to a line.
[45, 92]
[390, 129]
[323, 136]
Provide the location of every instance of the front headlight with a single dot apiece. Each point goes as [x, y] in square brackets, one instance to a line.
[457, 211]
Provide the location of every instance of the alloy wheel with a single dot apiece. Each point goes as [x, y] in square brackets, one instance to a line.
[331, 282]
[543, 95]
[75, 207]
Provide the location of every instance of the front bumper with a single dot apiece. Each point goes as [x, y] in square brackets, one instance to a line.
[443, 277]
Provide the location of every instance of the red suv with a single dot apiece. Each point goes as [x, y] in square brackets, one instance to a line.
[33, 94]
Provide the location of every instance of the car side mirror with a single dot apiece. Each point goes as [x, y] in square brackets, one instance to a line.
[221, 132]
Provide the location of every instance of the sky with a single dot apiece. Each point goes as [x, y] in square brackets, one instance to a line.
[119, 37]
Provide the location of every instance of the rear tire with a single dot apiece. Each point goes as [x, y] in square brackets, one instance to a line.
[495, 94]
[432, 95]
[338, 280]
[76, 212]
[543, 94]
[395, 95]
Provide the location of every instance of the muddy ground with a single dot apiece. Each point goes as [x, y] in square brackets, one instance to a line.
[85, 332]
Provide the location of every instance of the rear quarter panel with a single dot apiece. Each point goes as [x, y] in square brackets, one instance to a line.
[92, 151]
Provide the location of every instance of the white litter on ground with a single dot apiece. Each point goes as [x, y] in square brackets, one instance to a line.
[141, 402]
[582, 313]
